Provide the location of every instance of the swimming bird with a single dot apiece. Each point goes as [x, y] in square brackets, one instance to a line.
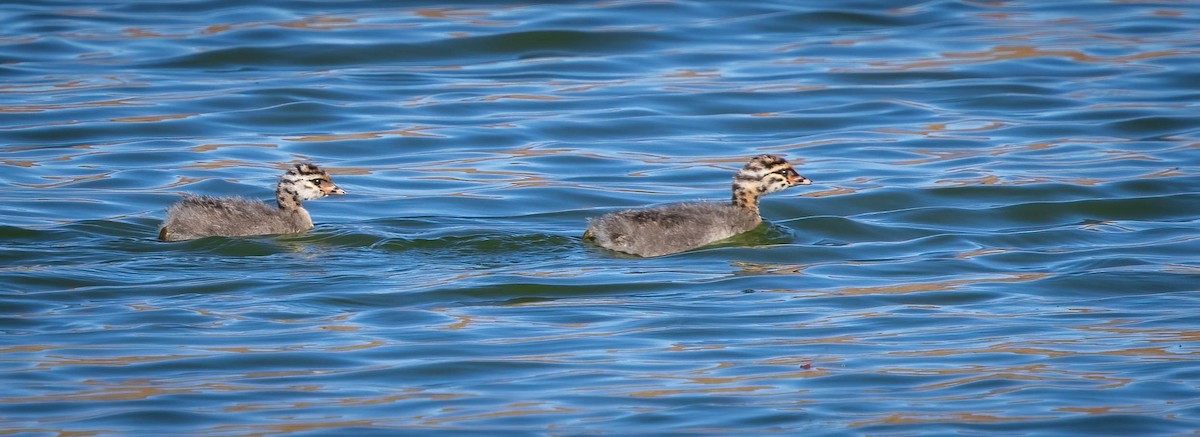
[205, 216]
[679, 227]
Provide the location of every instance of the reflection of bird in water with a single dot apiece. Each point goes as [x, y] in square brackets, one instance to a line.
[679, 227]
[205, 216]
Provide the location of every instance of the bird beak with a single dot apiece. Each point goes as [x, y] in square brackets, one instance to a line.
[799, 180]
[334, 190]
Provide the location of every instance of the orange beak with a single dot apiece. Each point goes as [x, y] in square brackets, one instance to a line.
[798, 180]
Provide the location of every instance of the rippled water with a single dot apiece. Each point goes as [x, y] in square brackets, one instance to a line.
[1001, 236]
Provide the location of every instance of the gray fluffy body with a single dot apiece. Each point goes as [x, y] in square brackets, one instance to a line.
[676, 228]
[205, 216]
[671, 228]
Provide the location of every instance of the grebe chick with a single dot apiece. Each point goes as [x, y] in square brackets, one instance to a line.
[206, 216]
[675, 228]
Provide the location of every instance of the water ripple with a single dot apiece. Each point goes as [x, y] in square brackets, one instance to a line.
[1000, 237]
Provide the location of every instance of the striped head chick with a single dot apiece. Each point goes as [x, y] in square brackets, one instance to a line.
[304, 181]
[764, 174]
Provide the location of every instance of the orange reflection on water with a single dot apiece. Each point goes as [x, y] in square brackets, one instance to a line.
[1036, 375]
[518, 97]
[462, 323]
[131, 392]
[732, 384]
[405, 395]
[511, 175]
[1011, 52]
[981, 180]
[18, 163]
[837, 191]
[218, 164]
[53, 361]
[785, 88]
[216, 146]
[585, 86]
[1168, 13]
[91, 83]
[692, 74]
[472, 16]
[1151, 335]
[294, 426]
[26, 348]
[948, 130]
[1045, 349]
[1000, 53]
[917, 418]
[447, 13]
[750, 268]
[60, 106]
[317, 23]
[981, 252]
[152, 118]
[516, 409]
[948, 285]
[712, 380]
[706, 390]
[133, 32]
[65, 180]
[413, 132]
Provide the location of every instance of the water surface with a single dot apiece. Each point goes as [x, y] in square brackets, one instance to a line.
[1001, 237]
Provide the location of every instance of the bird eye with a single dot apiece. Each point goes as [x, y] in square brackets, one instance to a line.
[317, 182]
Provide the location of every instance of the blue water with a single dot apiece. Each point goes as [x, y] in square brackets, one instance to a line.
[1001, 237]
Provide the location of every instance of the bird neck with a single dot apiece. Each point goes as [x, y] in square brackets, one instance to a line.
[287, 197]
[746, 197]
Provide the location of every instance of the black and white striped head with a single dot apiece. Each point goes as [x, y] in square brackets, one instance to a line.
[764, 174]
[306, 181]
